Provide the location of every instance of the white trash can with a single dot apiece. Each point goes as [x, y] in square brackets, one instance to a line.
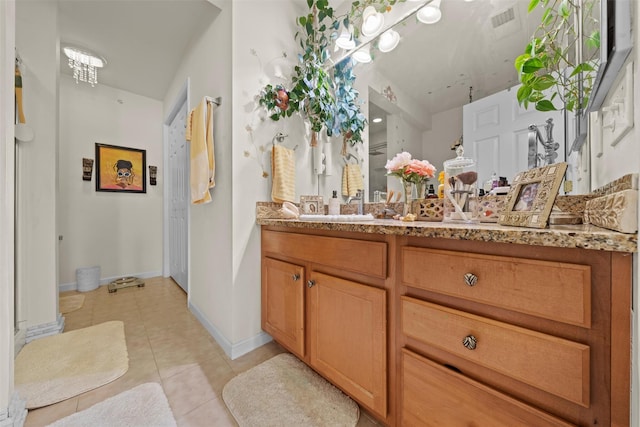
[88, 278]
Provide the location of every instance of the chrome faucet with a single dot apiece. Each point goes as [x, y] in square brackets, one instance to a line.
[360, 198]
[550, 146]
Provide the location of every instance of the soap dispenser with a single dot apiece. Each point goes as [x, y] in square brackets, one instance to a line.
[334, 204]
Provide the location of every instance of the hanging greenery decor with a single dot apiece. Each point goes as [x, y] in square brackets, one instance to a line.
[326, 99]
[548, 69]
[347, 120]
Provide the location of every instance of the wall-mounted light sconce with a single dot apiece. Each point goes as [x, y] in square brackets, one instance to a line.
[372, 21]
[363, 55]
[153, 174]
[431, 13]
[87, 169]
[388, 40]
[346, 39]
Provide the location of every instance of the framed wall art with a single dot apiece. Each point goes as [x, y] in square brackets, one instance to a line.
[121, 169]
[532, 195]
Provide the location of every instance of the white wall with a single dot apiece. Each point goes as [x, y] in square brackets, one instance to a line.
[37, 43]
[7, 43]
[436, 142]
[207, 64]
[251, 72]
[120, 232]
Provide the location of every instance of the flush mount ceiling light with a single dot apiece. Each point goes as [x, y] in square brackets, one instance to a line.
[430, 14]
[346, 40]
[372, 21]
[363, 55]
[388, 41]
[377, 120]
[84, 64]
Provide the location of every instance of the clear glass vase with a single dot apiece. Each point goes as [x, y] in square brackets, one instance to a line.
[421, 190]
[407, 186]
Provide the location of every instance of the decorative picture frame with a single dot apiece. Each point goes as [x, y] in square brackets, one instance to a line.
[532, 195]
[121, 169]
[311, 205]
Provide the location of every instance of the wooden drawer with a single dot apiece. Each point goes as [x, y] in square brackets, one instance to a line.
[552, 290]
[433, 395]
[552, 364]
[358, 256]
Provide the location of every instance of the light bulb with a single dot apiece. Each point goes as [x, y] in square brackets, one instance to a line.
[388, 40]
[372, 21]
[346, 40]
[363, 55]
[430, 14]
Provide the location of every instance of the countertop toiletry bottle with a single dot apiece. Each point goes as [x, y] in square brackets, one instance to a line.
[334, 204]
[431, 193]
[494, 181]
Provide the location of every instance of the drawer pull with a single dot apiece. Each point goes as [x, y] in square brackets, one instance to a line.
[470, 279]
[470, 342]
[311, 283]
[295, 277]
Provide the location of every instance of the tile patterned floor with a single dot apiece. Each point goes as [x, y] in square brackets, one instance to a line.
[167, 345]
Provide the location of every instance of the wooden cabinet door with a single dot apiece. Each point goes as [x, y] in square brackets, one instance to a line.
[348, 335]
[283, 303]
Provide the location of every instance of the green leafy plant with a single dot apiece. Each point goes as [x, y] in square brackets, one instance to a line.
[551, 77]
[329, 102]
[354, 16]
[312, 87]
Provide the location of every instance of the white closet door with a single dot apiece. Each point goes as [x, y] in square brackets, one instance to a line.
[495, 134]
[179, 199]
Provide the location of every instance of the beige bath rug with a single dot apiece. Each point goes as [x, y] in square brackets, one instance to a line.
[144, 405]
[55, 368]
[283, 391]
[71, 303]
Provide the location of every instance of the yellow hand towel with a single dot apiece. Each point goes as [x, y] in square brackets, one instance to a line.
[200, 133]
[283, 173]
[351, 180]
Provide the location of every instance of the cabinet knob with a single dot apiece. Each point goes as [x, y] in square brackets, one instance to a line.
[311, 283]
[470, 279]
[295, 277]
[470, 342]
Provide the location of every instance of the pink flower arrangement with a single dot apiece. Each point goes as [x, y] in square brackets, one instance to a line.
[408, 169]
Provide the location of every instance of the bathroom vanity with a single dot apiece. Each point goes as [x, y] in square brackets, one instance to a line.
[444, 324]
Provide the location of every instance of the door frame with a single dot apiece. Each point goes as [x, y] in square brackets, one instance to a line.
[181, 98]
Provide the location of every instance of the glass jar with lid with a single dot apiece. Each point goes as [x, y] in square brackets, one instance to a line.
[461, 189]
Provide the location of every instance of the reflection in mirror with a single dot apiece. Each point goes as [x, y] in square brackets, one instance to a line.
[433, 73]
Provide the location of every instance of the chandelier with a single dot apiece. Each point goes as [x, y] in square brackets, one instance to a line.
[84, 64]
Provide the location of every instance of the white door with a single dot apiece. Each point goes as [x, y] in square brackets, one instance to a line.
[178, 199]
[496, 134]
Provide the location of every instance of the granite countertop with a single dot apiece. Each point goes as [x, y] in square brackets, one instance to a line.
[584, 236]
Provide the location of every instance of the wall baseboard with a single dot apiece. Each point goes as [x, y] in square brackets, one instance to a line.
[16, 414]
[45, 329]
[73, 286]
[232, 350]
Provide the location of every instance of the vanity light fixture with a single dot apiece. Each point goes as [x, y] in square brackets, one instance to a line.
[372, 21]
[363, 55]
[84, 64]
[346, 39]
[431, 13]
[388, 40]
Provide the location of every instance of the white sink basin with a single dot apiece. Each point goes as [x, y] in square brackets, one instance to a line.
[336, 218]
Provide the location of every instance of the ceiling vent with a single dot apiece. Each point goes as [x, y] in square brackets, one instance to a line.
[503, 17]
[506, 23]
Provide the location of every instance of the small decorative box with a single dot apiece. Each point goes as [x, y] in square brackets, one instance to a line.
[428, 209]
[617, 211]
[490, 207]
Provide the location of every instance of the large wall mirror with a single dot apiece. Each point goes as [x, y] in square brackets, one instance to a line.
[418, 93]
